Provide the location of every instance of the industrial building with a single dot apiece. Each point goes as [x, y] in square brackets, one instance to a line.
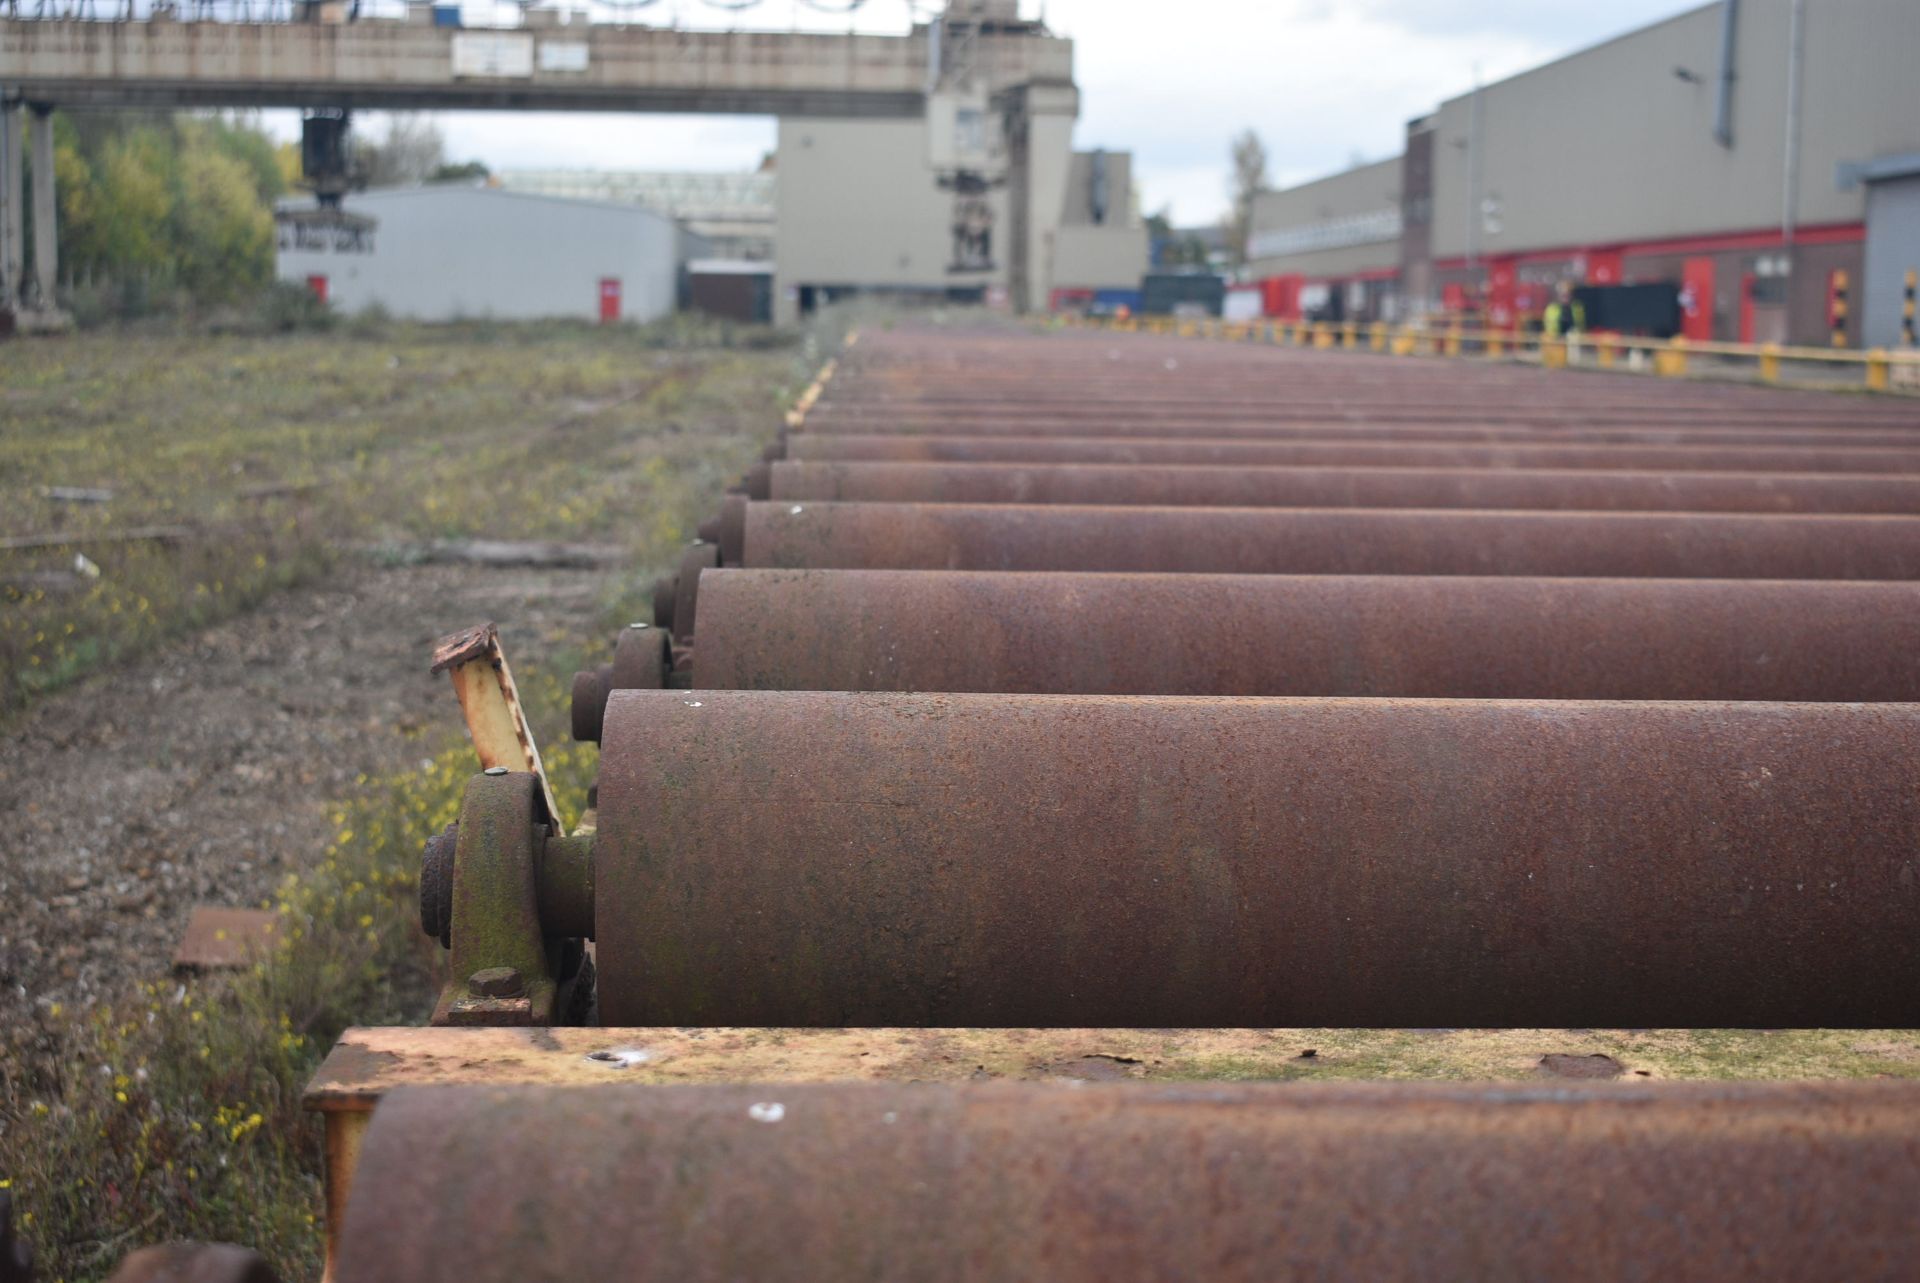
[450, 252]
[858, 210]
[732, 211]
[1759, 163]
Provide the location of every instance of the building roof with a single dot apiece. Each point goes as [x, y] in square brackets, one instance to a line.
[470, 191]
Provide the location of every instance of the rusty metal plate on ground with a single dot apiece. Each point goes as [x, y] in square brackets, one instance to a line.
[219, 938]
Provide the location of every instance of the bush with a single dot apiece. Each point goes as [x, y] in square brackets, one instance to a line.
[286, 307]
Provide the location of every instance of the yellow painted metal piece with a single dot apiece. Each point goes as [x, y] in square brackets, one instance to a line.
[1377, 336]
[1770, 363]
[1322, 336]
[798, 415]
[344, 1132]
[483, 683]
[1496, 344]
[1670, 362]
[1350, 335]
[1877, 370]
[1553, 354]
[1452, 347]
[1404, 343]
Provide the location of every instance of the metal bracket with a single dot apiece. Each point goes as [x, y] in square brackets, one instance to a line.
[499, 973]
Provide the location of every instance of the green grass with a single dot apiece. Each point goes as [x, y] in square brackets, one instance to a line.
[279, 455]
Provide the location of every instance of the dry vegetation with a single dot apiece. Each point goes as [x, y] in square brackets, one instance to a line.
[175, 1112]
[262, 458]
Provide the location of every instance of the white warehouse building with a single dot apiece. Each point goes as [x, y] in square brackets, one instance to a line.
[454, 252]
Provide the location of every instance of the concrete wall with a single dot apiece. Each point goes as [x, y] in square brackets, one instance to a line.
[1609, 146]
[409, 65]
[1079, 205]
[1362, 203]
[855, 203]
[1049, 159]
[443, 253]
[1099, 258]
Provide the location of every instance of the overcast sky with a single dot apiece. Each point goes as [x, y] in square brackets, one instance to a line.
[1325, 82]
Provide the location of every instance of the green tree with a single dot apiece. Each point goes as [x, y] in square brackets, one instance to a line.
[222, 229]
[182, 201]
[1249, 179]
[471, 171]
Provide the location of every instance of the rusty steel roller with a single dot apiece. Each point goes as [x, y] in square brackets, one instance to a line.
[1474, 638]
[1358, 541]
[1118, 1183]
[1339, 452]
[697, 557]
[1587, 490]
[1468, 428]
[827, 859]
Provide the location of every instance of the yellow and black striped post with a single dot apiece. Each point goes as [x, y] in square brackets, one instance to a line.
[1838, 309]
[1906, 310]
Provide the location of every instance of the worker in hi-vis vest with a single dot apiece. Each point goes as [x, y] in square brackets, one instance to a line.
[1565, 315]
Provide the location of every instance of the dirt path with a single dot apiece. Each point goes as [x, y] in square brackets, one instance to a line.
[205, 771]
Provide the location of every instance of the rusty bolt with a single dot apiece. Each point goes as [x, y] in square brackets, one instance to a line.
[436, 885]
[495, 770]
[497, 982]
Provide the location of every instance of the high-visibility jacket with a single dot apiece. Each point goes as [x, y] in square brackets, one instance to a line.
[1565, 318]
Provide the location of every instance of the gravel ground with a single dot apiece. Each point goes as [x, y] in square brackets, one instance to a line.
[204, 772]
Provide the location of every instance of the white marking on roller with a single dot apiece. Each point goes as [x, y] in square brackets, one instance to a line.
[621, 1057]
[796, 510]
[693, 703]
[767, 1111]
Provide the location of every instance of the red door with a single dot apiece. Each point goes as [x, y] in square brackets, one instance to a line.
[318, 286]
[609, 299]
[1696, 299]
[1503, 280]
[1746, 308]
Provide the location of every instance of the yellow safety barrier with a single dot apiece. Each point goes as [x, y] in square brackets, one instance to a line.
[1670, 361]
[1880, 370]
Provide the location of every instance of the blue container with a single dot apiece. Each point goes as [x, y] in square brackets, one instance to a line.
[446, 15]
